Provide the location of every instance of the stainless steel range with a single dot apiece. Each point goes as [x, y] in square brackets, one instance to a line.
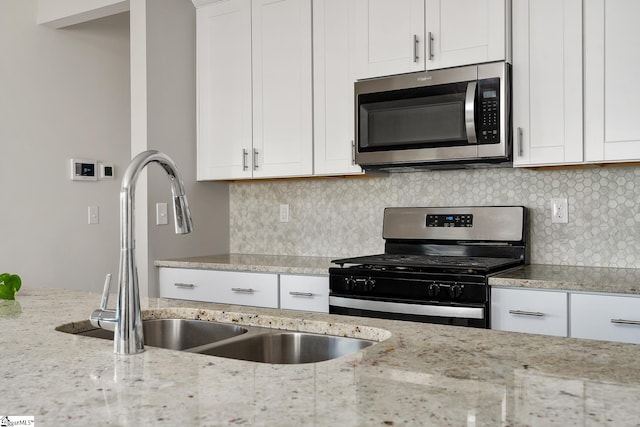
[436, 265]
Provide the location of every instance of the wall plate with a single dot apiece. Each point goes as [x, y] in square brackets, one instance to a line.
[107, 171]
[84, 170]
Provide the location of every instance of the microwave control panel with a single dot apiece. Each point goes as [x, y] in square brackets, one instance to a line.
[488, 107]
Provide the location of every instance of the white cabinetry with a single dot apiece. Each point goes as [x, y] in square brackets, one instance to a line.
[333, 78]
[282, 90]
[605, 317]
[612, 37]
[226, 287]
[399, 36]
[547, 82]
[308, 293]
[225, 144]
[254, 89]
[532, 311]
[293, 292]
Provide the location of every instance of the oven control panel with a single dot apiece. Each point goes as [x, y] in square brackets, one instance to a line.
[450, 220]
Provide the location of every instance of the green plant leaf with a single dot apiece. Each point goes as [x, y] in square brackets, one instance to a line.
[9, 285]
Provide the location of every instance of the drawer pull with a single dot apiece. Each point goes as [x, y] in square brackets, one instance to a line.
[184, 285]
[301, 294]
[526, 313]
[243, 290]
[625, 322]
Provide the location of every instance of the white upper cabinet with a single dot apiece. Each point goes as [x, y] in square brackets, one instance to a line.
[400, 36]
[333, 78]
[389, 37]
[282, 88]
[254, 89]
[224, 90]
[465, 32]
[547, 82]
[612, 61]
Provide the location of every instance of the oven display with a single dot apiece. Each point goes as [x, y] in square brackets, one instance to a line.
[450, 220]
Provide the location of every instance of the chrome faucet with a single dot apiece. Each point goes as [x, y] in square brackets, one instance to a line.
[126, 319]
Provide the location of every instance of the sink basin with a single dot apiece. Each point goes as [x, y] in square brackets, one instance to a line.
[178, 334]
[287, 347]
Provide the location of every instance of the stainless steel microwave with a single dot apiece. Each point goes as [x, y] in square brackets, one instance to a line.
[456, 117]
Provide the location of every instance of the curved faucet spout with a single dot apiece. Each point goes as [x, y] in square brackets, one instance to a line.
[127, 321]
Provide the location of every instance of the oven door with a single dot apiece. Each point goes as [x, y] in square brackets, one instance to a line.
[473, 315]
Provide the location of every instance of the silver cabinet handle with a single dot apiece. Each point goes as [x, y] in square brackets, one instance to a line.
[245, 157]
[243, 290]
[625, 322]
[526, 313]
[353, 152]
[416, 43]
[184, 285]
[255, 159]
[520, 142]
[430, 46]
[300, 294]
[469, 112]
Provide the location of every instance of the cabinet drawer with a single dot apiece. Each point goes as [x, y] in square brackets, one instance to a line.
[309, 293]
[605, 317]
[227, 287]
[533, 311]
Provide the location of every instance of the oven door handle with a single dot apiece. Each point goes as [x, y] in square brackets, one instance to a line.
[469, 112]
[402, 308]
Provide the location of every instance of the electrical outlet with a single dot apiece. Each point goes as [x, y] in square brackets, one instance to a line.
[284, 213]
[559, 211]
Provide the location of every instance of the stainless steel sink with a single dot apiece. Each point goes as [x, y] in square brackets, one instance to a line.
[251, 343]
[178, 334]
[287, 347]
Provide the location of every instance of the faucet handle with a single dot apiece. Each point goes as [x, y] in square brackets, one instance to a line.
[105, 292]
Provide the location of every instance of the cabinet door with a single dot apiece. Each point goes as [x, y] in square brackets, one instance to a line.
[605, 317]
[224, 90]
[532, 311]
[333, 96]
[547, 82]
[612, 128]
[226, 287]
[309, 293]
[465, 32]
[282, 90]
[389, 37]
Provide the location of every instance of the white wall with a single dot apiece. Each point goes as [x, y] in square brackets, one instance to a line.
[61, 13]
[63, 93]
[164, 118]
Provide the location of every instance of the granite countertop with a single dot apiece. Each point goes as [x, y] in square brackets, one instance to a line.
[420, 374]
[571, 278]
[285, 264]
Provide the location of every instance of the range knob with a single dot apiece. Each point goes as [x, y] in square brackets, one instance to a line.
[369, 284]
[433, 289]
[455, 291]
[350, 283]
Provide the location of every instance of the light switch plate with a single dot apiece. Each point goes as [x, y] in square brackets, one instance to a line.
[94, 215]
[162, 215]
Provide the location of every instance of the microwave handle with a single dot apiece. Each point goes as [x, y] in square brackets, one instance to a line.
[469, 112]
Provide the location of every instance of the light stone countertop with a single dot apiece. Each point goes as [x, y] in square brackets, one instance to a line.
[285, 264]
[421, 374]
[571, 278]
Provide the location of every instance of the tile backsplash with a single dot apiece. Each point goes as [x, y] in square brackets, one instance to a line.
[341, 217]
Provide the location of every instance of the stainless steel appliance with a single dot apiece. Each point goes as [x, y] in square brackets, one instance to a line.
[436, 265]
[443, 118]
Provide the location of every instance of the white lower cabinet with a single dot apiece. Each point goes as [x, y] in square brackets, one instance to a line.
[308, 293]
[272, 290]
[226, 287]
[605, 317]
[532, 311]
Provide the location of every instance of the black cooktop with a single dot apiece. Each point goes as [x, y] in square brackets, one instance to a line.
[432, 262]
